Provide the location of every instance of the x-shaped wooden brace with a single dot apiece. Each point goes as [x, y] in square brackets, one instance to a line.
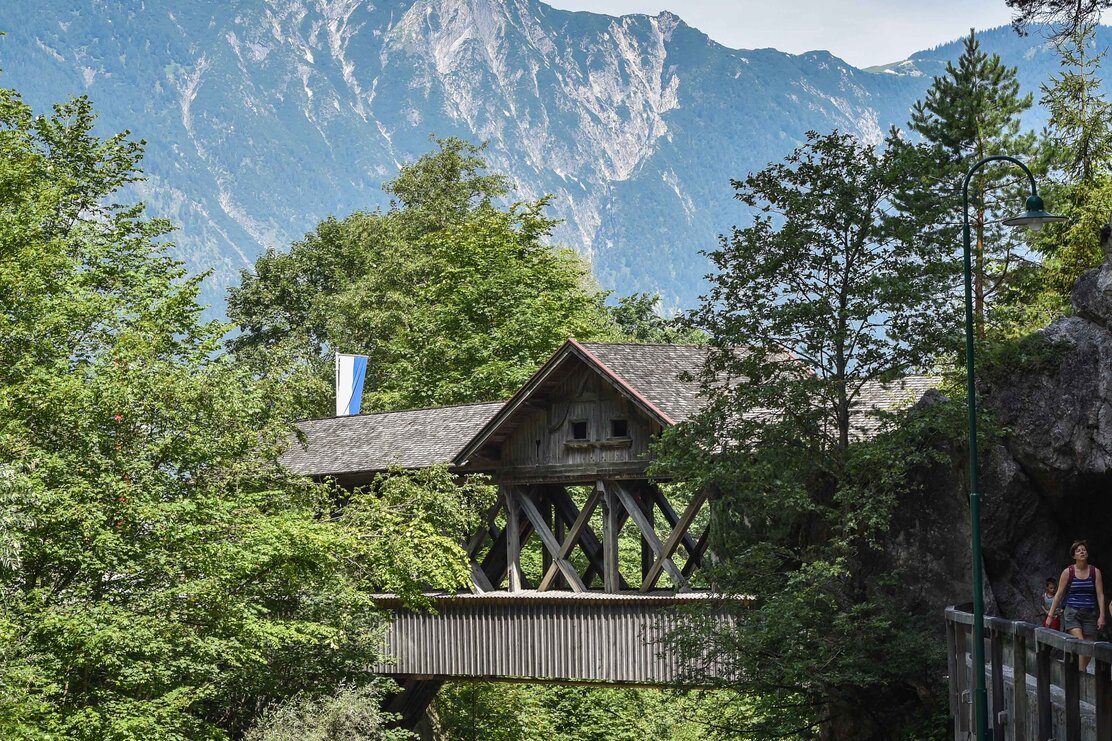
[663, 551]
[560, 552]
[593, 548]
[479, 580]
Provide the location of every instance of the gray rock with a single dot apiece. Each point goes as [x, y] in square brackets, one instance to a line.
[1046, 469]
[1048, 479]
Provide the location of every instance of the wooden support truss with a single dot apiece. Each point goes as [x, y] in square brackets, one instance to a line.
[549, 512]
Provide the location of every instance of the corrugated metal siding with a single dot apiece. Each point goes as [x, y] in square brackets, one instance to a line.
[593, 640]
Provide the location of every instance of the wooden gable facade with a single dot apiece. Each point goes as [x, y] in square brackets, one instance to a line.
[573, 422]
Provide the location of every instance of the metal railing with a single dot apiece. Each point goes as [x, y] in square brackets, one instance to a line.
[1066, 704]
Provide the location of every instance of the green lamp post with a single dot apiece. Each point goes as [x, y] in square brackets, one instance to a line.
[1034, 217]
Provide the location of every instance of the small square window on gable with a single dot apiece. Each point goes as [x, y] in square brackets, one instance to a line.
[619, 428]
[579, 429]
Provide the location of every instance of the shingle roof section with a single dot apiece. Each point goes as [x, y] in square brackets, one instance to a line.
[885, 397]
[657, 372]
[665, 375]
[373, 442]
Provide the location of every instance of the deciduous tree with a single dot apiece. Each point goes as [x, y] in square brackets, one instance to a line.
[453, 298]
[161, 576]
[824, 295]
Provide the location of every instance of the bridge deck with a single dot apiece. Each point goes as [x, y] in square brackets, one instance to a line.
[540, 636]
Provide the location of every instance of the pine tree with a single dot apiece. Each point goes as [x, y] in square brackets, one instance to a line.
[1079, 138]
[969, 113]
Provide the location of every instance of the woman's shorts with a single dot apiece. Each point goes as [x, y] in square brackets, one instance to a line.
[1083, 618]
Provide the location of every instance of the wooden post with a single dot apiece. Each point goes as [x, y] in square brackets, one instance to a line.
[610, 529]
[1102, 684]
[696, 557]
[513, 539]
[662, 552]
[693, 557]
[1019, 683]
[1071, 685]
[961, 683]
[952, 664]
[1044, 658]
[549, 543]
[996, 653]
[585, 536]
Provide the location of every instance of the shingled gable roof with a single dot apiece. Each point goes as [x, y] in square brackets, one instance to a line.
[367, 443]
[662, 380]
[648, 375]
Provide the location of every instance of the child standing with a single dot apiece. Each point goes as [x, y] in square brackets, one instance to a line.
[1048, 602]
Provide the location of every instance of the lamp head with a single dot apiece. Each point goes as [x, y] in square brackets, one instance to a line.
[1035, 215]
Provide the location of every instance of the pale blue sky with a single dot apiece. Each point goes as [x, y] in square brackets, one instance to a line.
[862, 32]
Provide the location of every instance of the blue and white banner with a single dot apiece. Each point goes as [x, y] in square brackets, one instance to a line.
[350, 371]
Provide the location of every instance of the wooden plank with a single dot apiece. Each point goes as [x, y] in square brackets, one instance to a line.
[996, 657]
[559, 530]
[696, 559]
[650, 535]
[486, 528]
[670, 515]
[589, 542]
[550, 543]
[578, 473]
[673, 542]
[1071, 685]
[1044, 656]
[545, 637]
[1102, 685]
[573, 535]
[610, 529]
[952, 668]
[494, 562]
[546, 512]
[962, 685]
[1019, 686]
[479, 581]
[645, 499]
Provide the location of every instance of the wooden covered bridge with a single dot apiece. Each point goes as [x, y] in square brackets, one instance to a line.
[557, 595]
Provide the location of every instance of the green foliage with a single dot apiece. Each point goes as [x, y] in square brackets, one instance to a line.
[161, 576]
[1079, 145]
[809, 310]
[840, 285]
[971, 112]
[636, 317]
[1006, 357]
[453, 299]
[351, 714]
[411, 524]
[499, 712]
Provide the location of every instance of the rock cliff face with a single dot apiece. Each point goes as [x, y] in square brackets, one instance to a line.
[1048, 481]
[1046, 470]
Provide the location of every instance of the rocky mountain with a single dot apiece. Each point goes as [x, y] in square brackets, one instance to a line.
[264, 116]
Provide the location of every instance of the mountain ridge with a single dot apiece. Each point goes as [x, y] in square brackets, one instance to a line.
[265, 116]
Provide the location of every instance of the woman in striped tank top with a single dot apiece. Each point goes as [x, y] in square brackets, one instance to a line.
[1083, 590]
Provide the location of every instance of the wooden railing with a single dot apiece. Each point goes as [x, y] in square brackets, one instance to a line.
[1065, 705]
